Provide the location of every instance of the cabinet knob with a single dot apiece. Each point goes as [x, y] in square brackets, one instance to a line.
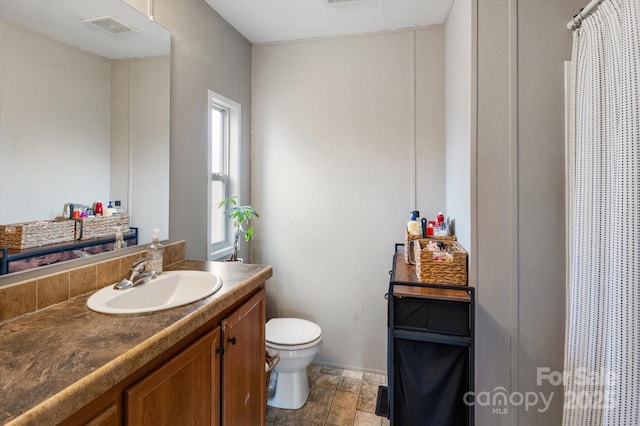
[232, 340]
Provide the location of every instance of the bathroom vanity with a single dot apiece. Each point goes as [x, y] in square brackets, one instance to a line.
[430, 350]
[201, 363]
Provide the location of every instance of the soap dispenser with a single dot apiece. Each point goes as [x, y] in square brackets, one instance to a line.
[120, 243]
[155, 252]
[413, 226]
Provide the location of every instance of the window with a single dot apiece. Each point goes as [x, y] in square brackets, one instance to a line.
[224, 149]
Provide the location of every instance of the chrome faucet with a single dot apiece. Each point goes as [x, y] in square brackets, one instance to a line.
[137, 266]
[138, 276]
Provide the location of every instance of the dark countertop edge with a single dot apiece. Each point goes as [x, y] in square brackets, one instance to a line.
[71, 399]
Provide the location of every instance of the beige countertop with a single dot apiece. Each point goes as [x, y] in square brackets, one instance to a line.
[55, 361]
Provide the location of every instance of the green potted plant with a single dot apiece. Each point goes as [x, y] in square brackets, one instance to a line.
[241, 216]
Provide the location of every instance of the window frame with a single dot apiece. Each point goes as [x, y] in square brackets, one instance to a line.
[230, 175]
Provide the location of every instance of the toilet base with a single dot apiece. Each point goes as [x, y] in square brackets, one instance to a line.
[292, 390]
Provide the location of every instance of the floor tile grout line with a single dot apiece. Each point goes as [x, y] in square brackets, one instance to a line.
[334, 392]
[333, 395]
[326, 417]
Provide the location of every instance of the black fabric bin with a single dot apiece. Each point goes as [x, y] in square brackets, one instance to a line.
[431, 380]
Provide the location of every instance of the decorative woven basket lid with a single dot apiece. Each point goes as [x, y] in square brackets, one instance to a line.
[291, 331]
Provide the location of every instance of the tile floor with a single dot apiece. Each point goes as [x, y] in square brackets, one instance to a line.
[338, 398]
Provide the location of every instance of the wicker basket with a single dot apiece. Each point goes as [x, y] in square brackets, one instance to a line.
[36, 234]
[270, 363]
[409, 239]
[441, 267]
[100, 226]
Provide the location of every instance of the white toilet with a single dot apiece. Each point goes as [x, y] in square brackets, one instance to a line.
[297, 341]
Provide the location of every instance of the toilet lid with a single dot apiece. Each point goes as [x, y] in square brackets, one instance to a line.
[291, 331]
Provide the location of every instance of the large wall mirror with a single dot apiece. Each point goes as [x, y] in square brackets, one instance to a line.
[84, 110]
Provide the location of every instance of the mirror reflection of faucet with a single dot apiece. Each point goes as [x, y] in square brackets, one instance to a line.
[81, 253]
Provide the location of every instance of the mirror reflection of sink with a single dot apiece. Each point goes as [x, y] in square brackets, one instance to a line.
[170, 289]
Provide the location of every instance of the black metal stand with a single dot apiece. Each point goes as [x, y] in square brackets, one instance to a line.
[430, 351]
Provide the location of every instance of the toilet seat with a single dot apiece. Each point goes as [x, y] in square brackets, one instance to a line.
[290, 333]
[293, 348]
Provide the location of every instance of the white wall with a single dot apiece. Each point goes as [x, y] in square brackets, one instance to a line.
[332, 131]
[430, 121]
[458, 119]
[54, 121]
[497, 298]
[140, 142]
[521, 47]
[543, 47]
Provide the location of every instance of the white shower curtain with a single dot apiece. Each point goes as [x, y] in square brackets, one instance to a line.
[602, 365]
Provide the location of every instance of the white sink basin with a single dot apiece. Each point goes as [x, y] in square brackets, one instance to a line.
[170, 289]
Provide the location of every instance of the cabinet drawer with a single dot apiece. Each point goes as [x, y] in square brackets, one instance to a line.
[432, 315]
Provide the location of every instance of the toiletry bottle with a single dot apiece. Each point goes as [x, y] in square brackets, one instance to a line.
[413, 226]
[118, 207]
[442, 228]
[120, 243]
[110, 211]
[430, 229]
[155, 252]
[98, 209]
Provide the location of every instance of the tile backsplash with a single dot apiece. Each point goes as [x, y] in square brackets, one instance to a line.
[32, 295]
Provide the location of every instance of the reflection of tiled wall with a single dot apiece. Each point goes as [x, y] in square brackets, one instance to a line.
[30, 296]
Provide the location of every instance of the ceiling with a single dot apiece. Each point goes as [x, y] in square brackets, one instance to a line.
[63, 21]
[267, 21]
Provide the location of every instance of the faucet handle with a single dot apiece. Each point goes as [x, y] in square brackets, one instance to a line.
[138, 262]
[145, 277]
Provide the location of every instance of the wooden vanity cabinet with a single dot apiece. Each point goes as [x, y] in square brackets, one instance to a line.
[215, 377]
[244, 397]
[185, 390]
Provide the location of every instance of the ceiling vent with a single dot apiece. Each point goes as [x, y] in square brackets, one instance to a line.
[342, 1]
[109, 24]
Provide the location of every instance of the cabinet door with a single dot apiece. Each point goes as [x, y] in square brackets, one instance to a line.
[243, 372]
[183, 391]
[109, 417]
